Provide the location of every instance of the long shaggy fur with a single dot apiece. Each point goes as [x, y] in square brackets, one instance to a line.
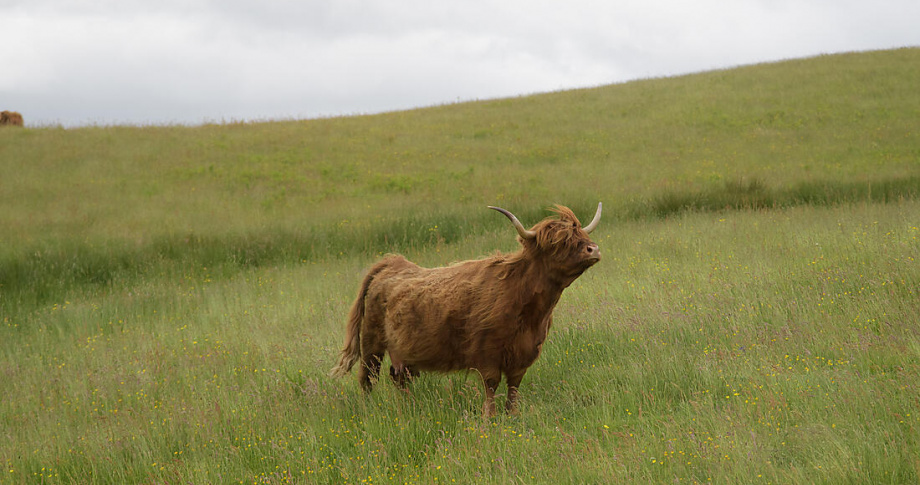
[352, 351]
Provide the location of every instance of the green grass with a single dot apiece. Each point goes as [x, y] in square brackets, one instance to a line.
[173, 297]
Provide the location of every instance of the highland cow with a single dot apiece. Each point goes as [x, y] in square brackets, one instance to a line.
[490, 315]
[10, 118]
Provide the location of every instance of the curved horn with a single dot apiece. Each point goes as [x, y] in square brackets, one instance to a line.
[526, 234]
[597, 218]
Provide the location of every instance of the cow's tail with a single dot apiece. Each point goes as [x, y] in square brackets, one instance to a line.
[351, 353]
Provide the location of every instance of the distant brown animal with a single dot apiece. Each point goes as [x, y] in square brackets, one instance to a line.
[489, 315]
[10, 118]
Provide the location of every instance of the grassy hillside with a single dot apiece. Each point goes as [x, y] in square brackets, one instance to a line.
[82, 205]
[172, 297]
[845, 121]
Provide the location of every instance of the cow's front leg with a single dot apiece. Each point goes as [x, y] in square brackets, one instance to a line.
[490, 380]
[514, 380]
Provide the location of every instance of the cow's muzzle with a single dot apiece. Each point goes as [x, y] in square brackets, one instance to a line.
[592, 252]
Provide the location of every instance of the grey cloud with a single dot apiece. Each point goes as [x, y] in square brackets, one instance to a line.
[189, 61]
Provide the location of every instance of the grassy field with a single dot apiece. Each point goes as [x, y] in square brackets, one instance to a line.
[173, 297]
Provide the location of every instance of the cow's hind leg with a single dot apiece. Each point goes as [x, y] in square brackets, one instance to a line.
[369, 372]
[402, 375]
[372, 350]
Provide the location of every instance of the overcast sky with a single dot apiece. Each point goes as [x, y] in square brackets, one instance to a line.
[77, 62]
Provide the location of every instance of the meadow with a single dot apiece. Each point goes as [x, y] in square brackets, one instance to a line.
[173, 297]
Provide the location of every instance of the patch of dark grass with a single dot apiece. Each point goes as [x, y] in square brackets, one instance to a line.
[45, 273]
[754, 194]
[820, 193]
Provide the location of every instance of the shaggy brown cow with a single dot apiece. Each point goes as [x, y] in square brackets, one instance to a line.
[489, 315]
[10, 118]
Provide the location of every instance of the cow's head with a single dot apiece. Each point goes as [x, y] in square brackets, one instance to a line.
[560, 242]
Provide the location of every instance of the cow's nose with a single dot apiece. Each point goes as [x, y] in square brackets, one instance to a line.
[593, 251]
